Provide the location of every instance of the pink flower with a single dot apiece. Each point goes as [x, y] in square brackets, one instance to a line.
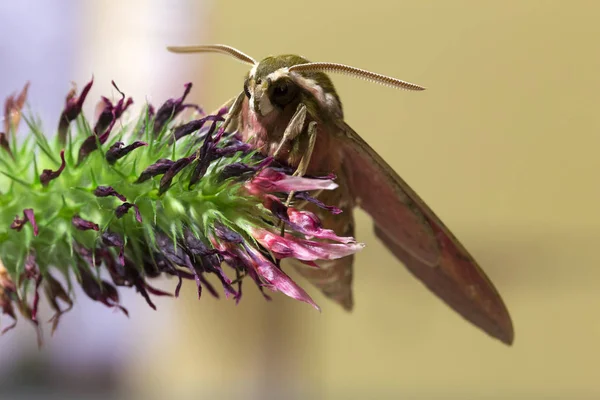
[276, 279]
[302, 249]
[269, 275]
[310, 225]
[270, 181]
[304, 222]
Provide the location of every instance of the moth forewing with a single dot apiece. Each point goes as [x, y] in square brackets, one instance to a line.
[455, 276]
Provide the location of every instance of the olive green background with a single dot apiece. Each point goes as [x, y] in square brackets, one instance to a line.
[503, 146]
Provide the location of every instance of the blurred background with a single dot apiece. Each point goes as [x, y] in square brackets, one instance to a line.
[503, 146]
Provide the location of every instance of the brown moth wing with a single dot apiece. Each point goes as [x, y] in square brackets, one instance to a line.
[455, 278]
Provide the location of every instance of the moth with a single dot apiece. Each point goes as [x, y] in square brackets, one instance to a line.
[289, 109]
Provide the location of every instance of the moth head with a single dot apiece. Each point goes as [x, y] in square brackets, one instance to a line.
[276, 83]
[272, 87]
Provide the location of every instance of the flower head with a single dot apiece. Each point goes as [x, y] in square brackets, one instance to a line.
[120, 204]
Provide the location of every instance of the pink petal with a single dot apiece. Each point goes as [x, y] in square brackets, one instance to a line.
[256, 264]
[277, 280]
[306, 250]
[310, 225]
[268, 180]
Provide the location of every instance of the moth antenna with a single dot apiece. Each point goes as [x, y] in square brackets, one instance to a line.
[357, 72]
[214, 48]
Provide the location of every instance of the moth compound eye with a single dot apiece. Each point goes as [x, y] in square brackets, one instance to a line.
[282, 92]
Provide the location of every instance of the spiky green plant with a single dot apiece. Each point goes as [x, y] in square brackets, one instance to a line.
[143, 198]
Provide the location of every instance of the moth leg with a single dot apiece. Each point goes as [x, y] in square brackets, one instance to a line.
[233, 111]
[293, 129]
[303, 165]
[305, 160]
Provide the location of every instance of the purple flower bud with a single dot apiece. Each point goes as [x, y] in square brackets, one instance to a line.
[193, 126]
[112, 239]
[205, 157]
[235, 170]
[115, 269]
[54, 292]
[111, 112]
[82, 224]
[225, 282]
[102, 291]
[105, 118]
[233, 148]
[153, 265]
[106, 191]
[155, 291]
[160, 263]
[28, 216]
[124, 208]
[230, 255]
[202, 282]
[138, 215]
[32, 272]
[306, 197]
[158, 168]
[226, 234]
[128, 275]
[172, 251]
[71, 111]
[149, 116]
[167, 178]
[176, 254]
[117, 150]
[196, 246]
[170, 109]
[238, 279]
[90, 144]
[209, 261]
[89, 255]
[47, 175]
